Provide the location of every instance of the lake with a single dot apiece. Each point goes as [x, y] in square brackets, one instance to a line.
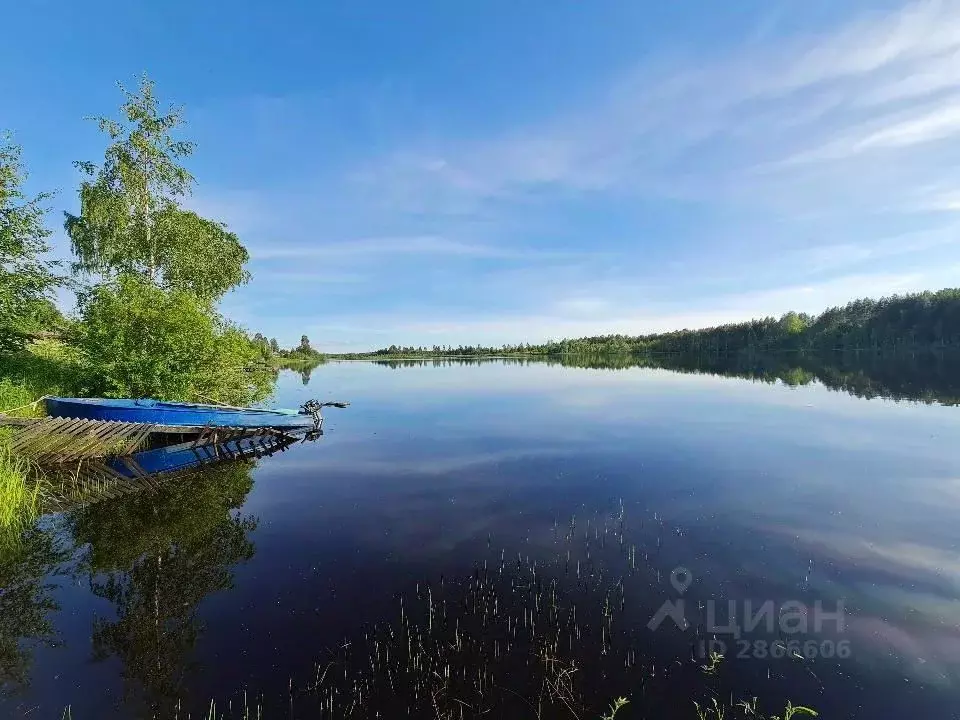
[507, 537]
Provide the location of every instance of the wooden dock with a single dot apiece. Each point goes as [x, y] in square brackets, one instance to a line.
[54, 439]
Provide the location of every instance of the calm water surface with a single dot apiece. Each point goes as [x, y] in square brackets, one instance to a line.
[603, 482]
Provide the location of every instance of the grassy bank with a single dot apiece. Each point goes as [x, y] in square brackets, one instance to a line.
[19, 497]
[45, 368]
[15, 396]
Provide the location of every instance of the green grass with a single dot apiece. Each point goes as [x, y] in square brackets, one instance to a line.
[299, 361]
[47, 367]
[20, 496]
[17, 398]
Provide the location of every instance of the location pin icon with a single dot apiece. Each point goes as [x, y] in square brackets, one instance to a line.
[681, 579]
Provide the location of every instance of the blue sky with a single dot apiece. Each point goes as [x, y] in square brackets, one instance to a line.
[467, 172]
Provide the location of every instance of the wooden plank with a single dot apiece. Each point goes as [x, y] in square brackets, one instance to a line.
[95, 439]
[114, 434]
[62, 438]
[86, 436]
[136, 468]
[137, 438]
[202, 438]
[111, 473]
[71, 439]
[86, 439]
[18, 422]
[153, 483]
[133, 467]
[28, 436]
[157, 428]
[23, 438]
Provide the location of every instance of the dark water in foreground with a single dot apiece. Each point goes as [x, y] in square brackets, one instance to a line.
[459, 522]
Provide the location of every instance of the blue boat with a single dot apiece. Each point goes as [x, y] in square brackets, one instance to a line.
[187, 415]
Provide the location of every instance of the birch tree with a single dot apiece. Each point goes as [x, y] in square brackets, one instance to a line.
[131, 219]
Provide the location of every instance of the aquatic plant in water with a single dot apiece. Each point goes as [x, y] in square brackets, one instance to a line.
[519, 636]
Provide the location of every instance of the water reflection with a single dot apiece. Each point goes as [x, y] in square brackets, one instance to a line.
[86, 482]
[155, 558]
[589, 483]
[153, 535]
[931, 377]
[304, 368]
[27, 603]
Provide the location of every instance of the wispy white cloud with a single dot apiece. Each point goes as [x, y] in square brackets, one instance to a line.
[700, 130]
[927, 77]
[940, 122]
[321, 277]
[916, 126]
[946, 201]
[823, 164]
[413, 245]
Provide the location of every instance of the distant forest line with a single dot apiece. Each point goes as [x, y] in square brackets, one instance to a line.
[899, 322]
[926, 376]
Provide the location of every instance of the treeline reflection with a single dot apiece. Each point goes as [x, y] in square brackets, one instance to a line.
[929, 377]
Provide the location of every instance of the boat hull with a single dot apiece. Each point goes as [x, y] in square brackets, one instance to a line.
[158, 412]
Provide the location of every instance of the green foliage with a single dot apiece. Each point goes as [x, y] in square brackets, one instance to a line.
[264, 349]
[25, 278]
[240, 373]
[793, 323]
[46, 367]
[19, 497]
[929, 376]
[130, 220]
[185, 514]
[199, 255]
[142, 341]
[304, 352]
[150, 327]
[17, 397]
